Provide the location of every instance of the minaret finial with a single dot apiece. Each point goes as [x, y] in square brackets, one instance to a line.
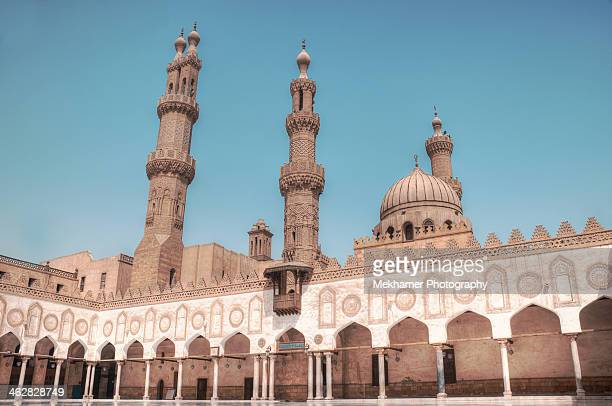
[181, 32]
[303, 60]
[416, 161]
[435, 111]
[303, 43]
[195, 25]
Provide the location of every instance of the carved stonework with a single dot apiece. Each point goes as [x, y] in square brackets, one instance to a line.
[120, 333]
[496, 293]
[34, 319]
[261, 343]
[405, 299]
[14, 317]
[66, 325]
[180, 330]
[93, 330]
[164, 323]
[197, 320]
[81, 327]
[50, 322]
[255, 314]
[377, 307]
[563, 282]
[327, 308]
[351, 305]
[466, 297]
[149, 330]
[529, 285]
[599, 277]
[318, 339]
[216, 319]
[134, 326]
[236, 316]
[108, 328]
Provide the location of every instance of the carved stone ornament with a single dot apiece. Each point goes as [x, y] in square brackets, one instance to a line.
[318, 339]
[164, 324]
[134, 326]
[236, 317]
[405, 299]
[197, 320]
[261, 342]
[108, 328]
[14, 317]
[50, 322]
[529, 285]
[599, 277]
[81, 327]
[464, 297]
[351, 305]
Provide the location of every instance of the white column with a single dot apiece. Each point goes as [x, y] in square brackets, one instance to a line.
[382, 393]
[264, 378]
[92, 378]
[503, 348]
[577, 370]
[255, 377]
[179, 381]
[215, 394]
[22, 371]
[147, 378]
[56, 379]
[118, 380]
[328, 372]
[310, 385]
[271, 395]
[87, 376]
[318, 376]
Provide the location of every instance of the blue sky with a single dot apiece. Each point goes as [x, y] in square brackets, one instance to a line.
[525, 87]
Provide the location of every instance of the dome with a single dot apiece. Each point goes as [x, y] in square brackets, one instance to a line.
[416, 190]
[180, 43]
[303, 61]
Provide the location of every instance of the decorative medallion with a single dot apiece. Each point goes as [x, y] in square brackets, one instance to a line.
[134, 326]
[261, 342]
[108, 328]
[599, 277]
[405, 299]
[14, 317]
[351, 305]
[236, 317]
[529, 285]
[50, 322]
[81, 327]
[164, 324]
[318, 339]
[466, 297]
[197, 320]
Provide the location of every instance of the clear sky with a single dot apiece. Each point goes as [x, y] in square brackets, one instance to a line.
[525, 87]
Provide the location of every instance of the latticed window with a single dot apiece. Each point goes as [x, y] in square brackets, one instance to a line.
[82, 284]
[103, 280]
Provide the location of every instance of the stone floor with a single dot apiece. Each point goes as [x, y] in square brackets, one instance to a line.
[481, 401]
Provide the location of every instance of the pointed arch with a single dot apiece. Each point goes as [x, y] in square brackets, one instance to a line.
[101, 348]
[216, 319]
[149, 330]
[563, 281]
[77, 349]
[290, 338]
[44, 345]
[93, 329]
[33, 318]
[236, 343]
[197, 345]
[133, 349]
[327, 308]
[120, 331]
[180, 327]
[255, 314]
[350, 331]
[408, 330]
[66, 326]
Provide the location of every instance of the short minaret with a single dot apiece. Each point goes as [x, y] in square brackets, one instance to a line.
[302, 179]
[170, 169]
[440, 148]
[260, 241]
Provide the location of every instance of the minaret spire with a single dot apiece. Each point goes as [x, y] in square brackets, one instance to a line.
[302, 179]
[440, 149]
[170, 169]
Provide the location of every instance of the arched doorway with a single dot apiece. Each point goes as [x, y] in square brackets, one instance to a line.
[164, 369]
[595, 346]
[412, 372]
[74, 371]
[291, 367]
[472, 366]
[356, 369]
[196, 382]
[104, 383]
[540, 358]
[236, 369]
[133, 375]
[11, 360]
[44, 364]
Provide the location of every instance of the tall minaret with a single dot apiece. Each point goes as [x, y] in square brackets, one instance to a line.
[440, 148]
[302, 179]
[170, 169]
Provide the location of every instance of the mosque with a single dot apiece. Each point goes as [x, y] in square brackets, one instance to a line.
[205, 322]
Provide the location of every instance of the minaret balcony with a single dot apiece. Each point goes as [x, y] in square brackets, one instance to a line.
[178, 102]
[170, 161]
[308, 167]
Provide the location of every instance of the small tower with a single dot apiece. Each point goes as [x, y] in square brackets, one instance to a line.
[260, 241]
[440, 148]
[170, 169]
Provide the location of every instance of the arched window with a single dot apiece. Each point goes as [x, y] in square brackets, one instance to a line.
[170, 88]
[449, 224]
[184, 85]
[301, 99]
[172, 277]
[390, 231]
[428, 225]
[192, 88]
[408, 232]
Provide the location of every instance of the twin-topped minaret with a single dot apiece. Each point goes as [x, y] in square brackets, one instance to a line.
[440, 149]
[302, 179]
[170, 169]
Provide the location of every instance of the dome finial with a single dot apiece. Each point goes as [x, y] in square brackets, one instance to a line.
[303, 60]
[195, 25]
[416, 161]
[193, 39]
[181, 32]
[436, 123]
[179, 45]
[303, 43]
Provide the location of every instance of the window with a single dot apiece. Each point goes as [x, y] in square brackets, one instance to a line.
[103, 280]
[2, 274]
[449, 224]
[82, 284]
[170, 86]
[375, 370]
[172, 277]
[192, 88]
[58, 288]
[31, 282]
[408, 232]
[390, 231]
[301, 100]
[184, 85]
[428, 225]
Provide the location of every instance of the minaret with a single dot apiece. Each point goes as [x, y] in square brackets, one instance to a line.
[440, 148]
[170, 169]
[302, 179]
[260, 241]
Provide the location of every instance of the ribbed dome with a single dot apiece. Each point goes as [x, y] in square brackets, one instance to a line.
[419, 189]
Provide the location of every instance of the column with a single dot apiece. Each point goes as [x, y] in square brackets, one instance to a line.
[264, 378]
[118, 380]
[310, 386]
[58, 371]
[147, 378]
[382, 390]
[503, 347]
[179, 380]
[577, 370]
[255, 377]
[87, 377]
[215, 395]
[440, 372]
[22, 371]
[328, 372]
[318, 376]
[92, 378]
[271, 395]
